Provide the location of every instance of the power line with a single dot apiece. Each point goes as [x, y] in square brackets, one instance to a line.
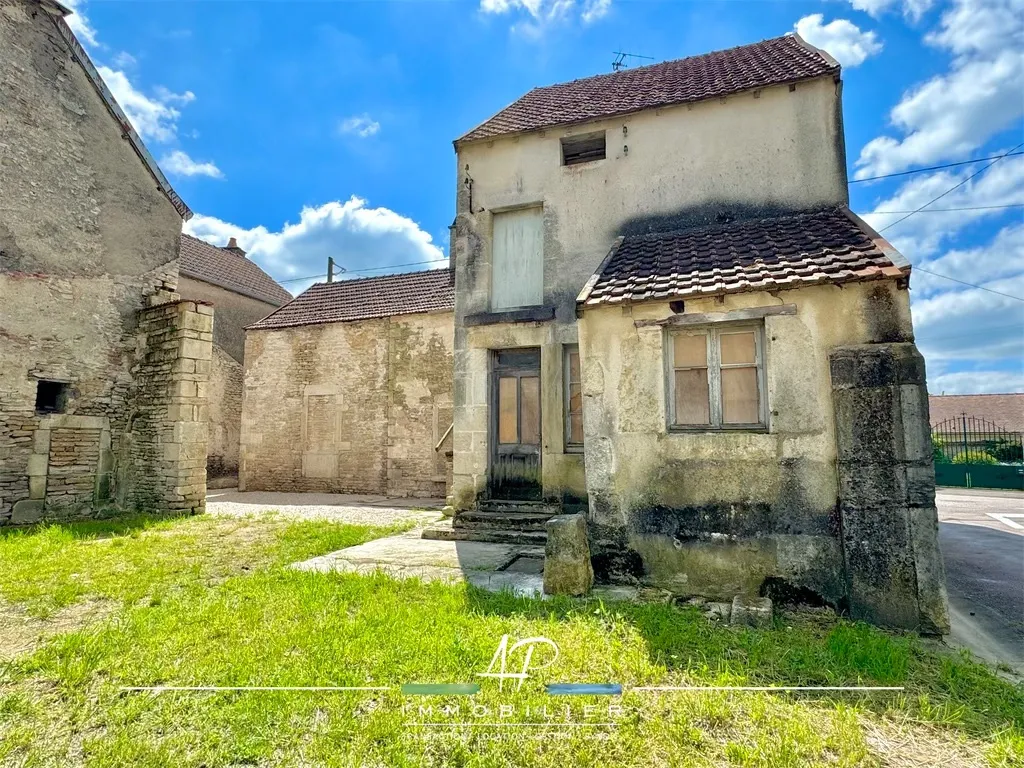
[1011, 153]
[948, 210]
[954, 187]
[368, 269]
[972, 285]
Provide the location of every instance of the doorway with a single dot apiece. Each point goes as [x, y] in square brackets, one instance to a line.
[515, 425]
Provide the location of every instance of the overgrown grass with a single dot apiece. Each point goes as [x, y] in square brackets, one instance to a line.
[272, 626]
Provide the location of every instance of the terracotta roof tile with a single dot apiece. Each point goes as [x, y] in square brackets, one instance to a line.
[366, 298]
[806, 248]
[1005, 411]
[206, 262]
[771, 62]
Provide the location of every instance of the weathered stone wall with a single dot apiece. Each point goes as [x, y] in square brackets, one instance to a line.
[665, 169]
[722, 513]
[85, 237]
[162, 452]
[77, 200]
[890, 531]
[225, 401]
[348, 407]
[233, 312]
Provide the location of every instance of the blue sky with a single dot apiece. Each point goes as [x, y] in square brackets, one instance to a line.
[309, 129]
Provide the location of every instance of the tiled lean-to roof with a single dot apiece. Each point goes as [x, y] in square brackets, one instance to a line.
[1005, 411]
[823, 246]
[233, 271]
[777, 61]
[366, 298]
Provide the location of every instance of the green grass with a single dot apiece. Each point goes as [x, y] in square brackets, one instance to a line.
[190, 614]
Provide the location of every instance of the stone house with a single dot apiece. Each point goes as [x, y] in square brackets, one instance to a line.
[667, 316]
[348, 389]
[241, 293]
[102, 366]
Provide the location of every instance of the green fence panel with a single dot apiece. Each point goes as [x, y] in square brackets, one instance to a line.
[1008, 477]
[951, 475]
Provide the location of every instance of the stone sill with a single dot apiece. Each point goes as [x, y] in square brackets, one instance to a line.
[528, 315]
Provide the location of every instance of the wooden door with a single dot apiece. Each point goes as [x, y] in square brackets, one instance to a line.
[515, 425]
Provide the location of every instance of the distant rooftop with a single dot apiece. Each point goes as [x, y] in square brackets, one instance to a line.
[229, 268]
[366, 298]
[1005, 411]
[777, 61]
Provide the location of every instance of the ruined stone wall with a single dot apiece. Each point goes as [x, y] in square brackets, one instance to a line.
[233, 312]
[86, 236]
[348, 407]
[225, 401]
[664, 169]
[723, 513]
[162, 451]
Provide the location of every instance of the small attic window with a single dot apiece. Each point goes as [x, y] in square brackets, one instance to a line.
[51, 396]
[583, 149]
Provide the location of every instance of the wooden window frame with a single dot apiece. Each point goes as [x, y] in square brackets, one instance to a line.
[568, 445]
[712, 335]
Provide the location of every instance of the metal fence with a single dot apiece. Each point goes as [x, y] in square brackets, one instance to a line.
[972, 452]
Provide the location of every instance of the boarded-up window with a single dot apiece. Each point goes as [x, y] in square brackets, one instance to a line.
[517, 270]
[717, 378]
[573, 399]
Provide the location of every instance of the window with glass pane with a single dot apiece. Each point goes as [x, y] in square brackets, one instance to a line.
[573, 399]
[716, 378]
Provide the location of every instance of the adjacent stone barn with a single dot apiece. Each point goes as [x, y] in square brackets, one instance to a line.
[348, 389]
[102, 365]
[666, 316]
[241, 293]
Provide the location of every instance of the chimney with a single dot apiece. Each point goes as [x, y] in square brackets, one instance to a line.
[233, 247]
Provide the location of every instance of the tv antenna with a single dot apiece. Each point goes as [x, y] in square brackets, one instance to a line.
[620, 59]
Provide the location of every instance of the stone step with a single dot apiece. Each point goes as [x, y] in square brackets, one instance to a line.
[518, 521]
[444, 531]
[519, 507]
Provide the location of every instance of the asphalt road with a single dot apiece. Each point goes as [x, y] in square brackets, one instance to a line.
[981, 534]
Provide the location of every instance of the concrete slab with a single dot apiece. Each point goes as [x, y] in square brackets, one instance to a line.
[413, 552]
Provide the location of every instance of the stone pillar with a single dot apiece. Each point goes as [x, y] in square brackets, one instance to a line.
[894, 569]
[164, 446]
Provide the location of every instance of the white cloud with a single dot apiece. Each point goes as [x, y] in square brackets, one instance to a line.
[912, 9]
[983, 382]
[925, 233]
[847, 43]
[180, 164]
[968, 334]
[955, 113]
[359, 125]
[356, 235]
[153, 117]
[534, 17]
[79, 23]
[124, 60]
[594, 10]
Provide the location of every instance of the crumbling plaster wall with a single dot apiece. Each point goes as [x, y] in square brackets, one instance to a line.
[718, 513]
[665, 168]
[85, 237]
[349, 407]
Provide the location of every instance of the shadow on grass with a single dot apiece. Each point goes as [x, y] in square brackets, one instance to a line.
[801, 649]
[99, 528]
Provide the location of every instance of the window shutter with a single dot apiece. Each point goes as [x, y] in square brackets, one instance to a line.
[517, 269]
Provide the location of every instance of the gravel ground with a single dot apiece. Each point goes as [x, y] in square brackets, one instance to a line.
[343, 508]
